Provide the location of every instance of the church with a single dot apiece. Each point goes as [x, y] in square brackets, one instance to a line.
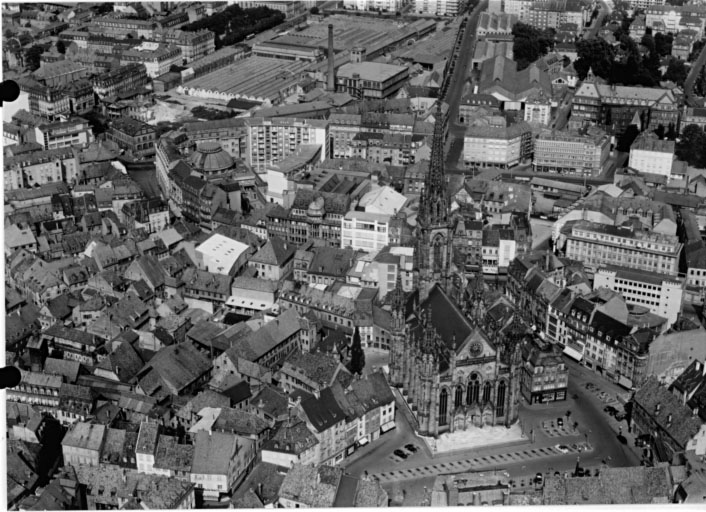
[455, 358]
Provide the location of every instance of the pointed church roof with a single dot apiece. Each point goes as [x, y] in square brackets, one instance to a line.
[448, 320]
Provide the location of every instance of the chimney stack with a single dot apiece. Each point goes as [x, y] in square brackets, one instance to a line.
[331, 83]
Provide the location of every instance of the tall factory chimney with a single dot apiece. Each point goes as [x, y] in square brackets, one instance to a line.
[331, 79]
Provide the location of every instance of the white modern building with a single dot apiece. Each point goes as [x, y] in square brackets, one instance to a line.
[660, 293]
[221, 255]
[375, 5]
[439, 7]
[648, 154]
[273, 140]
[365, 231]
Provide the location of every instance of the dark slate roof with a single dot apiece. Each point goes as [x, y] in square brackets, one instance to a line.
[124, 361]
[446, 318]
[323, 412]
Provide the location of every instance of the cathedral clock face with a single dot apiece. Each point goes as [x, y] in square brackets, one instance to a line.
[476, 348]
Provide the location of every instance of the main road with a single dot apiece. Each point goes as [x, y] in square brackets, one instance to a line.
[457, 82]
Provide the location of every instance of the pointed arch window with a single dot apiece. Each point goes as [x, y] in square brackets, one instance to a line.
[473, 390]
[438, 254]
[486, 392]
[500, 401]
[458, 399]
[443, 406]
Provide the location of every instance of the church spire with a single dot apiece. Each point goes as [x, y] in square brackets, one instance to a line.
[433, 207]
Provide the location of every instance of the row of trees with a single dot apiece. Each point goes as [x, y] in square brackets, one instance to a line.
[234, 24]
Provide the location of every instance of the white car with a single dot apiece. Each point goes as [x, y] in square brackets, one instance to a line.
[562, 448]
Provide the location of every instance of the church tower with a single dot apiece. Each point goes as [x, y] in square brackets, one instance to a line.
[399, 355]
[433, 251]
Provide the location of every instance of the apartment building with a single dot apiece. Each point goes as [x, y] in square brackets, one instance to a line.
[272, 140]
[365, 231]
[121, 27]
[438, 7]
[519, 8]
[613, 107]
[375, 80]
[41, 167]
[375, 5]
[157, 58]
[600, 244]
[390, 148]
[571, 152]
[193, 45]
[64, 134]
[648, 154]
[673, 18]
[47, 102]
[132, 135]
[662, 294]
[538, 108]
[232, 134]
[497, 146]
[644, 4]
[554, 13]
[125, 78]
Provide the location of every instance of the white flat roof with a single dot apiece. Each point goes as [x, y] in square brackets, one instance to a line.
[222, 250]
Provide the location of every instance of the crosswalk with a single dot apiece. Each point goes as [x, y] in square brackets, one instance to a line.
[480, 463]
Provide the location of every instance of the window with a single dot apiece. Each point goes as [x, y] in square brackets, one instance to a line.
[443, 406]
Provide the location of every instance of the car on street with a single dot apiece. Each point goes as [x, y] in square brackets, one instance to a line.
[562, 448]
[620, 416]
[400, 454]
[610, 410]
[560, 422]
[411, 448]
[538, 479]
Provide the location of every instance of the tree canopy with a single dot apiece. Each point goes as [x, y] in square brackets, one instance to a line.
[594, 54]
[692, 146]
[33, 57]
[676, 72]
[530, 43]
[234, 24]
[61, 46]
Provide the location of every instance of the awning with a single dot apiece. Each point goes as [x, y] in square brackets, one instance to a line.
[363, 441]
[388, 426]
[573, 353]
[625, 382]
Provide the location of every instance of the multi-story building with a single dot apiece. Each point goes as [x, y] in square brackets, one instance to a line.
[231, 134]
[374, 5]
[289, 8]
[693, 115]
[661, 294]
[599, 244]
[554, 13]
[545, 376]
[649, 154]
[343, 128]
[272, 140]
[538, 108]
[157, 58]
[614, 107]
[365, 231]
[501, 146]
[393, 149]
[121, 27]
[125, 78]
[83, 443]
[193, 45]
[41, 167]
[47, 102]
[437, 7]
[571, 152]
[673, 18]
[494, 24]
[41, 390]
[149, 214]
[64, 134]
[370, 79]
[644, 4]
[132, 135]
[520, 8]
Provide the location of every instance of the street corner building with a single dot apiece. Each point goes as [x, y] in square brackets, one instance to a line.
[456, 371]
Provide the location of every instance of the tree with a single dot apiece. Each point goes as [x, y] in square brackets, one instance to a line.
[33, 57]
[314, 10]
[357, 355]
[676, 72]
[663, 44]
[530, 43]
[692, 146]
[61, 47]
[595, 54]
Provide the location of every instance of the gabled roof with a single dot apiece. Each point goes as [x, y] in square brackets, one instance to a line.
[275, 252]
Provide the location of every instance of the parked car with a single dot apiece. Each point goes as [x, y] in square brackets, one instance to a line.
[560, 422]
[411, 448]
[620, 416]
[610, 409]
[538, 479]
[400, 454]
[562, 448]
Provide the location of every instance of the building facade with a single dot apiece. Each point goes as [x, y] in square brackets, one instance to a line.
[570, 153]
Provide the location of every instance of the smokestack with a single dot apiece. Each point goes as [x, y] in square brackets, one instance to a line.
[331, 84]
